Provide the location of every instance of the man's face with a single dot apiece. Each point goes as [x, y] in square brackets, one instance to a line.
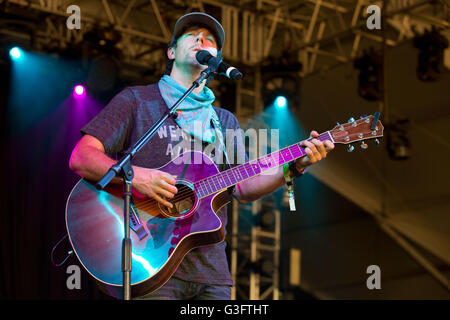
[190, 42]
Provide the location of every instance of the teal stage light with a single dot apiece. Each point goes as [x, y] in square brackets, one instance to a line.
[15, 53]
[280, 102]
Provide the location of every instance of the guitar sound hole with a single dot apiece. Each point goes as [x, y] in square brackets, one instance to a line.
[183, 202]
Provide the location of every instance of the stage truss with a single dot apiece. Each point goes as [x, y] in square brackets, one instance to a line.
[319, 33]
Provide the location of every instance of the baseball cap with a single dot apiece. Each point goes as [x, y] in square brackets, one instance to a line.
[201, 19]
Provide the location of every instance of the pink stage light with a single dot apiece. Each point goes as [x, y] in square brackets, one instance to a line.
[78, 91]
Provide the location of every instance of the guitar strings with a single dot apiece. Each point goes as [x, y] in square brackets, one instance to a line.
[151, 203]
[321, 137]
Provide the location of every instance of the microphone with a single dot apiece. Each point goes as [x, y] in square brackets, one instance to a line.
[206, 58]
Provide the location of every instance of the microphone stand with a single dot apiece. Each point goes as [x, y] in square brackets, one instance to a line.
[123, 168]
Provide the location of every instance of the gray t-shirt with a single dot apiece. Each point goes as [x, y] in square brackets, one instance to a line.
[123, 121]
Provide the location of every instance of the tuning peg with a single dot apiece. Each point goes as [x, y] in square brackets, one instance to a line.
[350, 148]
[364, 145]
[377, 142]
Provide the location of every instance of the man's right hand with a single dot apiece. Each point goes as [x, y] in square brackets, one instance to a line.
[90, 161]
[155, 184]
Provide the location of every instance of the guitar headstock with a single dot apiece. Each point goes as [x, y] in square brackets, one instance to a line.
[369, 127]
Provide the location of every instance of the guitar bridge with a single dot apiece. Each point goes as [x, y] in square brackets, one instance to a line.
[136, 223]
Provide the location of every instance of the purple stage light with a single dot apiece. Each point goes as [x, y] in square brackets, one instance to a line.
[78, 91]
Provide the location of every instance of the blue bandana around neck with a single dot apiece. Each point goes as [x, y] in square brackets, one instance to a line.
[195, 112]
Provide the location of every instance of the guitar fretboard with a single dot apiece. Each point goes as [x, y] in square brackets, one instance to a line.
[237, 174]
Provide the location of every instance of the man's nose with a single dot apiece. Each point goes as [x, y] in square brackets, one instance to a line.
[199, 38]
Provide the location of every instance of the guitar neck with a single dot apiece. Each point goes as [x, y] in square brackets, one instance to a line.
[228, 178]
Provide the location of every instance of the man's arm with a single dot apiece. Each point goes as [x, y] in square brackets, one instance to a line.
[262, 185]
[89, 160]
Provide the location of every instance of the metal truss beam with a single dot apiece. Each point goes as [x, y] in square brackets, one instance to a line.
[250, 245]
[255, 29]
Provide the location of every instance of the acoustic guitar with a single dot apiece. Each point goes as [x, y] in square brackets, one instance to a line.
[162, 236]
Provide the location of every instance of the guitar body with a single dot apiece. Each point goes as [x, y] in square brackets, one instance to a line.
[94, 221]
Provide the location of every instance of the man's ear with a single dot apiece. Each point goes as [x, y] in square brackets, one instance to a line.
[171, 53]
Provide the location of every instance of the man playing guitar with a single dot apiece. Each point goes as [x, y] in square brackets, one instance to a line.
[203, 273]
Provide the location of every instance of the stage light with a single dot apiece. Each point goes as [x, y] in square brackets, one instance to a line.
[431, 47]
[281, 91]
[78, 91]
[369, 80]
[281, 81]
[99, 48]
[280, 102]
[398, 141]
[15, 53]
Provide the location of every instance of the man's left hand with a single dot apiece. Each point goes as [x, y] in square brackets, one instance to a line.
[315, 149]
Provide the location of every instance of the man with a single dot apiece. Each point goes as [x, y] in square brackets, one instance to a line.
[203, 273]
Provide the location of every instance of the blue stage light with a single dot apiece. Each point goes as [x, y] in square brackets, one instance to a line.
[280, 102]
[15, 53]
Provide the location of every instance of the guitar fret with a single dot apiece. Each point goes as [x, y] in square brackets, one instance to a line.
[198, 186]
[324, 136]
[286, 155]
[203, 188]
[201, 192]
[206, 187]
[290, 152]
[249, 170]
[221, 180]
[263, 165]
[270, 161]
[296, 151]
[277, 158]
[226, 178]
[233, 178]
[245, 172]
[197, 189]
[216, 183]
[240, 170]
[327, 136]
[256, 169]
[238, 174]
[211, 189]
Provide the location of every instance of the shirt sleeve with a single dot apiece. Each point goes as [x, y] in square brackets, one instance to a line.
[112, 126]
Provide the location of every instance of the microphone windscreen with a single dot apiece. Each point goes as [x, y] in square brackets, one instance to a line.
[203, 56]
[235, 74]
